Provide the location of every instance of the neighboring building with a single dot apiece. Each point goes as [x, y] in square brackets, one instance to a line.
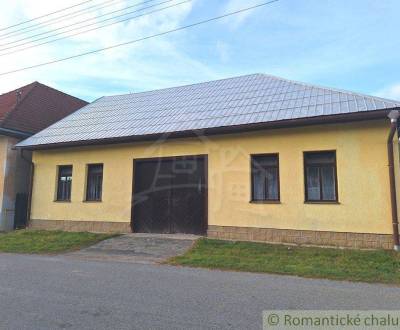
[250, 158]
[23, 112]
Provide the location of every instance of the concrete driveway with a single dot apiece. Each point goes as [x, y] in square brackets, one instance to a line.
[138, 248]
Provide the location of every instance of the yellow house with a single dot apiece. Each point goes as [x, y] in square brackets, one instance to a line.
[250, 158]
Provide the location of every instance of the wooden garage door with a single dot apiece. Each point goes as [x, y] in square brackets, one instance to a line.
[170, 195]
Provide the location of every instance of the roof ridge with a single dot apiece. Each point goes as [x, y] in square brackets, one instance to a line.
[265, 75]
[330, 88]
[35, 88]
[179, 86]
[18, 103]
[19, 88]
[59, 91]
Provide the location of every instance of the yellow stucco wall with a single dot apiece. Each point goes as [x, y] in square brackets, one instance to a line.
[3, 157]
[363, 188]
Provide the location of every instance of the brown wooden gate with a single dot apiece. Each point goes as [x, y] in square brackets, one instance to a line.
[170, 195]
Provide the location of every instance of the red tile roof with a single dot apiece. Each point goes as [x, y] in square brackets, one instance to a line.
[34, 107]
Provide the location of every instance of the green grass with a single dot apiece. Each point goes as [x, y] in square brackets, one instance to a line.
[47, 242]
[339, 264]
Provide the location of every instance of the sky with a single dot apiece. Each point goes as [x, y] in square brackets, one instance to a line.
[344, 44]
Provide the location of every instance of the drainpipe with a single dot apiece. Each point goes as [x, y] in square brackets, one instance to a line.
[393, 115]
[32, 168]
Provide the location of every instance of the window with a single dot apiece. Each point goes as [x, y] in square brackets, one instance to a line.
[94, 182]
[184, 165]
[64, 183]
[320, 176]
[265, 177]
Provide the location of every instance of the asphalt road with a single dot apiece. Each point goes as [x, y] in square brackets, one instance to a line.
[38, 292]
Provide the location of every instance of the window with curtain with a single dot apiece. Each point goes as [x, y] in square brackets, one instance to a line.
[265, 177]
[64, 183]
[94, 182]
[320, 176]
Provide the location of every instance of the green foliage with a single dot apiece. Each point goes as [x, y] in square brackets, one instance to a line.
[43, 241]
[339, 264]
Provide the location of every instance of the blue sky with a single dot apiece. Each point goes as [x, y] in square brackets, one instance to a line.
[344, 44]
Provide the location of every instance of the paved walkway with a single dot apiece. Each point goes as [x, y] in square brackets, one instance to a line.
[139, 248]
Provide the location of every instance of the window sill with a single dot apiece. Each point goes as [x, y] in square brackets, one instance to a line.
[62, 201]
[322, 202]
[86, 201]
[265, 202]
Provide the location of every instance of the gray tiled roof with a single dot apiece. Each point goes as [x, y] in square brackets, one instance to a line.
[250, 99]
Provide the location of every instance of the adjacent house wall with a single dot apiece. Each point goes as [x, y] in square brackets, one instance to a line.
[363, 185]
[14, 178]
[3, 162]
[396, 154]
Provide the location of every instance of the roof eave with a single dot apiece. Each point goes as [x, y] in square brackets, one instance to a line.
[289, 123]
[14, 133]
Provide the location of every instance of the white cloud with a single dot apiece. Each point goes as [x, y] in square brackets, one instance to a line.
[390, 92]
[223, 51]
[236, 21]
[129, 68]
